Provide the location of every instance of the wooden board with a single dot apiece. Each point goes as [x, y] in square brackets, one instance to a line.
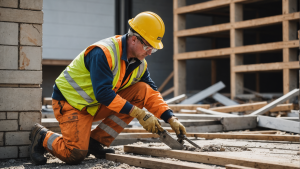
[293, 138]
[273, 104]
[207, 111]
[231, 166]
[200, 7]
[176, 99]
[153, 162]
[204, 93]
[279, 124]
[266, 67]
[239, 108]
[208, 158]
[178, 107]
[188, 123]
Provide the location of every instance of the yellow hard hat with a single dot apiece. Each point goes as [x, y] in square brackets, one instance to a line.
[150, 26]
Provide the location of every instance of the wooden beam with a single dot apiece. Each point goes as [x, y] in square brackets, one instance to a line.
[176, 99]
[153, 162]
[214, 53]
[185, 111]
[191, 122]
[208, 158]
[283, 107]
[165, 82]
[178, 107]
[201, 7]
[207, 111]
[167, 92]
[56, 62]
[278, 124]
[203, 30]
[204, 93]
[267, 67]
[240, 108]
[273, 104]
[231, 166]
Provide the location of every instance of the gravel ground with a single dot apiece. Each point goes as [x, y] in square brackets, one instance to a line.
[283, 152]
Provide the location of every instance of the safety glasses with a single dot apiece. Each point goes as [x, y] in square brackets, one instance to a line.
[146, 48]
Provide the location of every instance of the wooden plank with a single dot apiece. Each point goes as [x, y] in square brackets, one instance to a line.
[266, 47]
[231, 166]
[283, 107]
[207, 111]
[266, 67]
[185, 111]
[239, 123]
[271, 105]
[240, 108]
[204, 93]
[198, 116]
[188, 123]
[208, 158]
[203, 30]
[271, 137]
[153, 162]
[205, 129]
[56, 62]
[142, 130]
[178, 107]
[165, 82]
[176, 99]
[167, 92]
[223, 99]
[278, 124]
[201, 7]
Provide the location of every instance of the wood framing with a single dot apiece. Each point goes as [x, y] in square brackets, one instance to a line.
[208, 158]
[153, 162]
[165, 82]
[288, 19]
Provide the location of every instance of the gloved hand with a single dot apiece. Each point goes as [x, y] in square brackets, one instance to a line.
[147, 120]
[177, 126]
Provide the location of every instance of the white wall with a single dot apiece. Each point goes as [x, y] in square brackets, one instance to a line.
[72, 25]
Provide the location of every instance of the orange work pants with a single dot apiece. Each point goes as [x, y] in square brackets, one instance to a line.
[75, 125]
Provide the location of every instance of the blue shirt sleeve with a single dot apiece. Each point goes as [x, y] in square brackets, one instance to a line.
[147, 79]
[102, 78]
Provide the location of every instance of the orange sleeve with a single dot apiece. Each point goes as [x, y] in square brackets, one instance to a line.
[154, 102]
[117, 104]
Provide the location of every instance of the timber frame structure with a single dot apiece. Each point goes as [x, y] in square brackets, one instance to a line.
[289, 44]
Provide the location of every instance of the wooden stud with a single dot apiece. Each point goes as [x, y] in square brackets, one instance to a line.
[167, 92]
[267, 67]
[165, 82]
[209, 158]
[152, 162]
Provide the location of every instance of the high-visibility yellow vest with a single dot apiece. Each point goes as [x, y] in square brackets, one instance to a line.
[75, 81]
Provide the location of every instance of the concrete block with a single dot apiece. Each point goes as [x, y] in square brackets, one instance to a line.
[9, 3]
[31, 34]
[28, 119]
[23, 151]
[12, 115]
[9, 57]
[1, 138]
[8, 125]
[31, 4]
[20, 99]
[18, 15]
[8, 32]
[30, 58]
[20, 77]
[17, 138]
[8, 152]
[2, 115]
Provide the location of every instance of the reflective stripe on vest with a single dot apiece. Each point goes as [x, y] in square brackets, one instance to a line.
[79, 91]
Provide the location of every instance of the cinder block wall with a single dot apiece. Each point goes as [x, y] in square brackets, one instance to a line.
[20, 74]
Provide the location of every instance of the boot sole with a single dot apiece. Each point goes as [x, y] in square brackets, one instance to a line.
[31, 135]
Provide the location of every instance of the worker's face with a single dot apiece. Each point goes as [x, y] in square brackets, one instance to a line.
[140, 52]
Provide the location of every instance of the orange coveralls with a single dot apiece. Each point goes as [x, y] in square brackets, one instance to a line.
[76, 125]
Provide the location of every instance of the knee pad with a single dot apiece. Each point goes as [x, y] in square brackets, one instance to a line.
[76, 157]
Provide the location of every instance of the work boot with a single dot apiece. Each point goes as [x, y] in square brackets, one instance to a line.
[97, 149]
[36, 149]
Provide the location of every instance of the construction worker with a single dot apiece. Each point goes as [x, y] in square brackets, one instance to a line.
[107, 81]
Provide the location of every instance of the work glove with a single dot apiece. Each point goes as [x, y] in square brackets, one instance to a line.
[147, 120]
[177, 126]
